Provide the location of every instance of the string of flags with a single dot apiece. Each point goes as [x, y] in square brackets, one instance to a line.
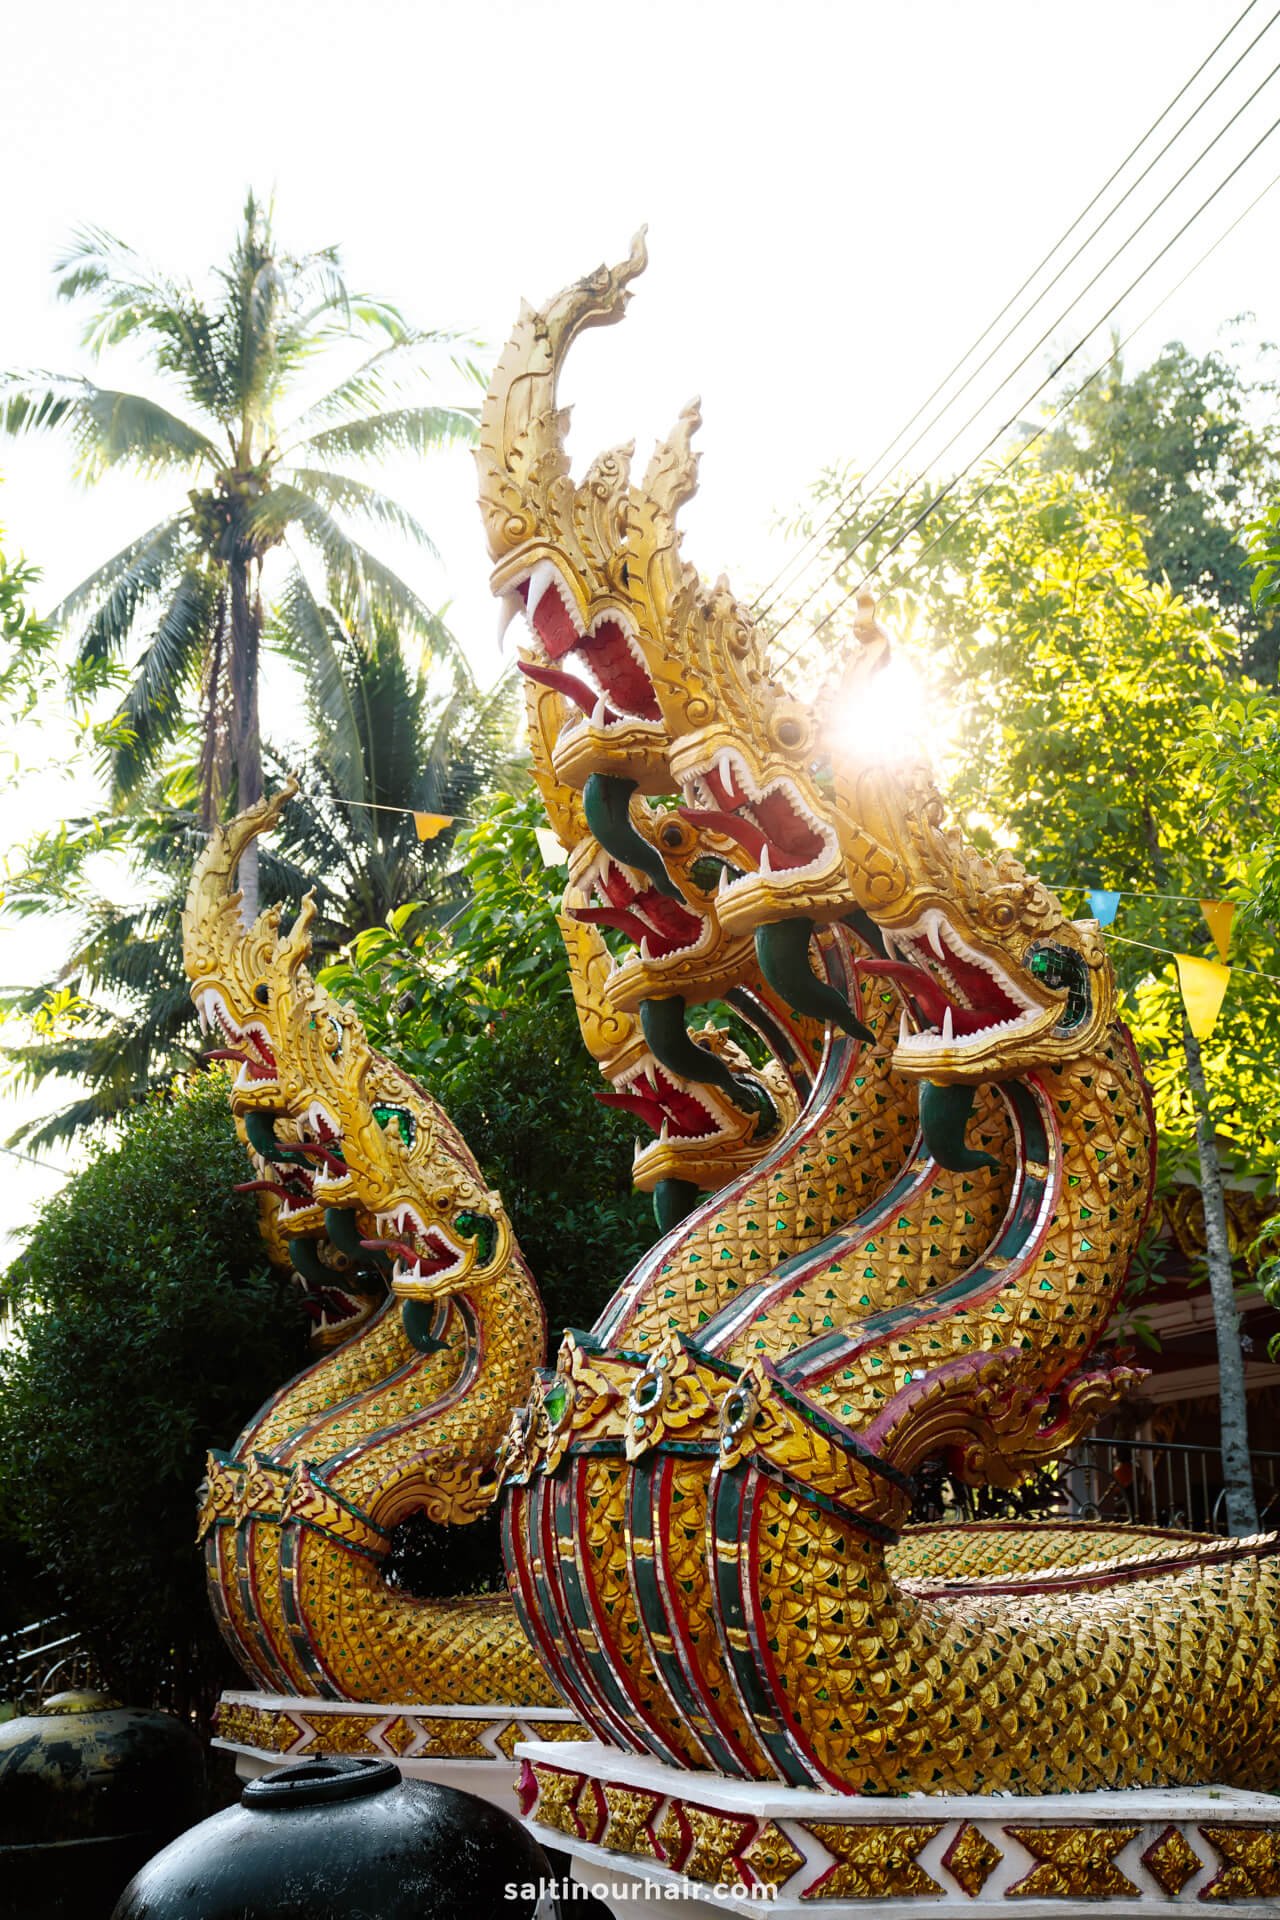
[1202, 982]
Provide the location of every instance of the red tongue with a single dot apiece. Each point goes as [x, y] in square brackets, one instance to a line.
[617, 917]
[566, 683]
[644, 1109]
[932, 1000]
[267, 1186]
[726, 791]
[226, 1053]
[746, 835]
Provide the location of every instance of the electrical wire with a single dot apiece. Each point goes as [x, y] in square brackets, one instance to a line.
[860, 487]
[1066, 358]
[1075, 393]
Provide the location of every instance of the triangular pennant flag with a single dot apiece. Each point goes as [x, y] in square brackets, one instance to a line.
[429, 825]
[1103, 903]
[553, 854]
[1203, 984]
[1219, 914]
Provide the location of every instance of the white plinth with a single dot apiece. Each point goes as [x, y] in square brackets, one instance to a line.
[646, 1837]
[468, 1747]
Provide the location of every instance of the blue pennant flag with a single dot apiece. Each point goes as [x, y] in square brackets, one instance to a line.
[1103, 903]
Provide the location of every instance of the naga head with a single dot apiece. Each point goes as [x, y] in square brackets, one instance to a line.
[560, 548]
[252, 987]
[239, 973]
[703, 1134]
[998, 979]
[408, 1170]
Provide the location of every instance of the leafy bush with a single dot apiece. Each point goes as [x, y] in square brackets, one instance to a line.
[481, 1012]
[147, 1326]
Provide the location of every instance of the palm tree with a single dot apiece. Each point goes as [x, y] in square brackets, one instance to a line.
[190, 587]
[388, 735]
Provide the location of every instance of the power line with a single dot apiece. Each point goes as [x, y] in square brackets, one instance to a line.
[1067, 357]
[1058, 411]
[859, 488]
[1054, 371]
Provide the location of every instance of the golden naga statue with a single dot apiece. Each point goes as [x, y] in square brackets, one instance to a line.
[428, 1324]
[704, 1506]
[371, 1196]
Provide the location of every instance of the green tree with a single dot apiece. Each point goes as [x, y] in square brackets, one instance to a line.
[1181, 444]
[1074, 679]
[267, 475]
[481, 1012]
[145, 1324]
[388, 735]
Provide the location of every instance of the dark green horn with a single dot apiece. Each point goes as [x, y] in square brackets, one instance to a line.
[672, 1200]
[782, 949]
[261, 1130]
[669, 1043]
[944, 1115]
[340, 1225]
[606, 799]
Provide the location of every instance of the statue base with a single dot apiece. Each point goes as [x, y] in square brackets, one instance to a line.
[639, 1832]
[468, 1747]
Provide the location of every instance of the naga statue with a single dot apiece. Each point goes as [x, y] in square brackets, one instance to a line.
[953, 1161]
[428, 1326]
[380, 1208]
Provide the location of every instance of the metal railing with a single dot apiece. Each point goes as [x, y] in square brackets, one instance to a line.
[42, 1658]
[1152, 1483]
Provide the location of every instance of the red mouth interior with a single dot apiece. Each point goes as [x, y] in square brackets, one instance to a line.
[982, 1005]
[645, 915]
[655, 1098]
[248, 1047]
[625, 683]
[427, 1257]
[330, 1306]
[773, 822]
[291, 1185]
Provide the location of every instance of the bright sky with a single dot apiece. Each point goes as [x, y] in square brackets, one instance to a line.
[839, 198]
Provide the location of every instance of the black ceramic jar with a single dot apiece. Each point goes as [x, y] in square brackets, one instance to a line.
[88, 1790]
[343, 1839]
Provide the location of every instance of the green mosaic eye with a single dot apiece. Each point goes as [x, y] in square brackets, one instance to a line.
[1062, 970]
[478, 1226]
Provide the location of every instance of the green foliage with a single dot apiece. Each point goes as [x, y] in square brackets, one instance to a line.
[480, 1010]
[181, 600]
[145, 1323]
[1075, 685]
[388, 736]
[1180, 446]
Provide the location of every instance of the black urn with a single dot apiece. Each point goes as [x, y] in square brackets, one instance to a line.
[341, 1839]
[88, 1790]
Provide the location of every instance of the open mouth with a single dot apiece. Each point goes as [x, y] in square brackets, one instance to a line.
[292, 1186]
[956, 993]
[673, 1112]
[300, 1172]
[659, 926]
[420, 1252]
[770, 823]
[328, 1308]
[599, 668]
[247, 1045]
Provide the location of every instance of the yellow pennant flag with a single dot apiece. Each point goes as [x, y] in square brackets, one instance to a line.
[1219, 914]
[1203, 984]
[431, 824]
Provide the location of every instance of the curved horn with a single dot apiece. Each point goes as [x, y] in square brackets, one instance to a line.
[521, 450]
[212, 909]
